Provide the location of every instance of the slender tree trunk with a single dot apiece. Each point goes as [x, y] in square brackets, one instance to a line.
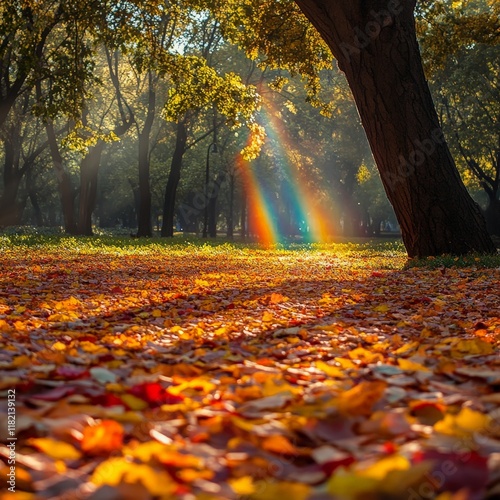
[212, 206]
[167, 227]
[89, 168]
[33, 197]
[375, 45]
[66, 192]
[9, 207]
[243, 218]
[144, 216]
[230, 216]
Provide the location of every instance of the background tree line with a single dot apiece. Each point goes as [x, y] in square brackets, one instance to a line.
[109, 117]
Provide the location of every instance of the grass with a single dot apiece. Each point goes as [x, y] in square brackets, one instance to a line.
[390, 251]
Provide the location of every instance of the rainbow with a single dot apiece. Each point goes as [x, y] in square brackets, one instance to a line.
[261, 221]
[295, 193]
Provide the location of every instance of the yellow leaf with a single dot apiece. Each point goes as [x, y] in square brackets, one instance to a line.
[407, 347]
[223, 330]
[156, 313]
[283, 490]
[331, 371]
[463, 424]
[360, 399]
[380, 469]
[242, 485]
[146, 451]
[133, 402]
[120, 470]
[349, 485]
[475, 346]
[408, 365]
[267, 317]
[272, 387]
[58, 450]
[59, 346]
[68, 304]
[345, 363]
[365, 355]
[381, 308]
[68, 316]
[246, 425]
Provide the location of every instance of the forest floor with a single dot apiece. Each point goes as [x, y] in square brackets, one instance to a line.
[139, 371]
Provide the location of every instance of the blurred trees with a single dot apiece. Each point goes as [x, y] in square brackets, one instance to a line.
[115, 112]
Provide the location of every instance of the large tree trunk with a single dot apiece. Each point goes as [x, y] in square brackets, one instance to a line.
[167, 228]
[375, 45]
[492, 215]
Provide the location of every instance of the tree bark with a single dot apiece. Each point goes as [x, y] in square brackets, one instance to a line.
[33, 197]
[230, 214]
[144, 228]
[244, 215]
[376, 47]
[66, 192]
[12, 175]
[167, 227]
[89, 168]
[212, 205]
[492, 214]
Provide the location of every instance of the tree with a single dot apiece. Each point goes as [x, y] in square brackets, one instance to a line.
[470, 114]
[375, 45]
[22, 148]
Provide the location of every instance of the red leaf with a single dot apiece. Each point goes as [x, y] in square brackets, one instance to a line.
[454, 471]
[55, 394]
[154, 394]
[107, 400]
[72, 372]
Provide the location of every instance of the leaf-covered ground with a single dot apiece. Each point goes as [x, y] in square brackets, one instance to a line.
[231, 372]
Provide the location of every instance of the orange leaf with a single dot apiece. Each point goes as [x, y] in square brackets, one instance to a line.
[360, 399]
[279, 444]
[103, 438]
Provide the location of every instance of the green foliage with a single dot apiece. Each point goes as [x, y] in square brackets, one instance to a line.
[460, 24]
